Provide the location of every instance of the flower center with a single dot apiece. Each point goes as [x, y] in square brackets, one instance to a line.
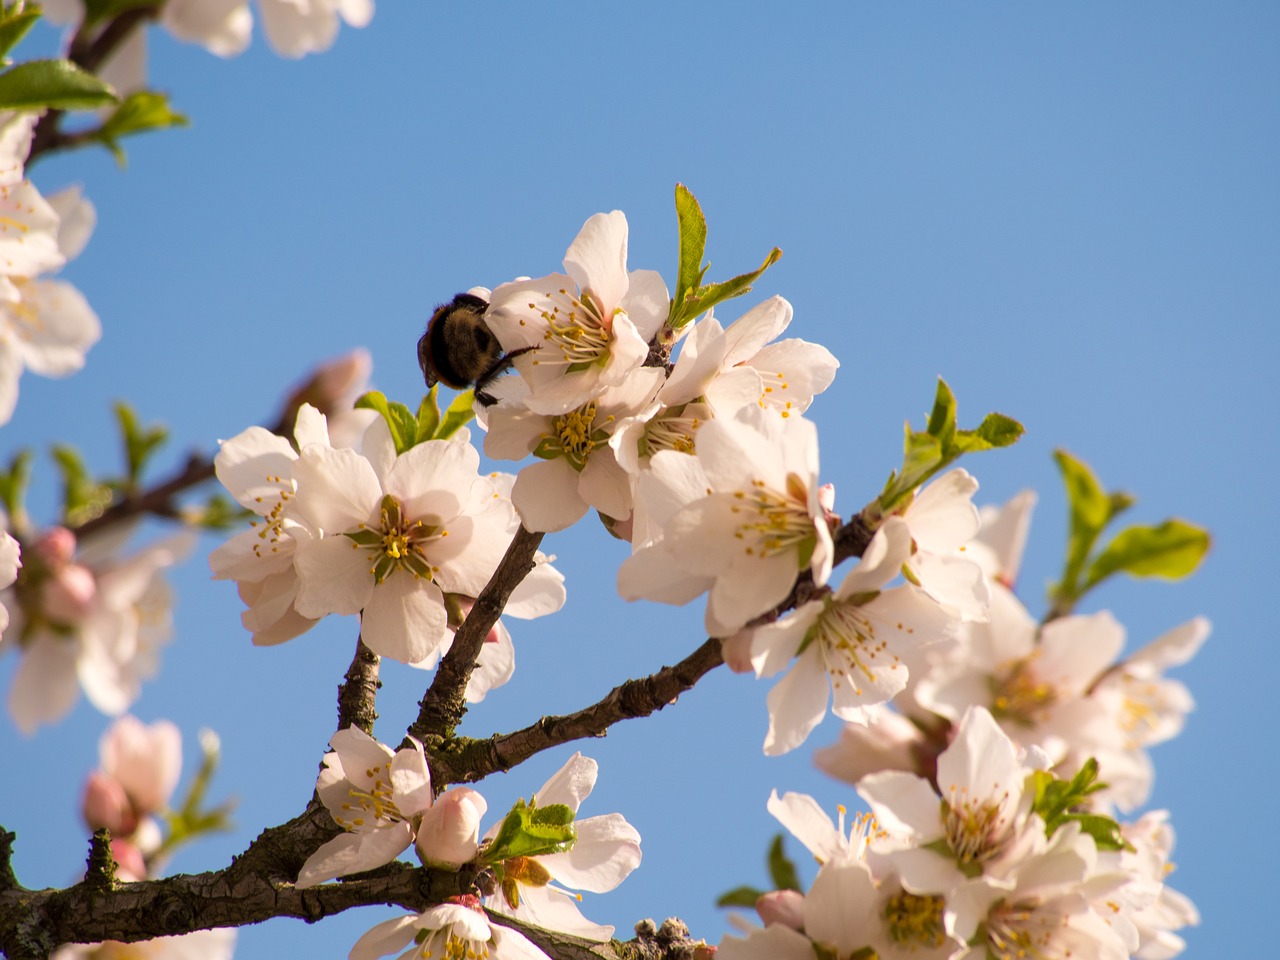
[915, 921]
[1024, 933]
[374, 802]
[1020, 696]
[849, 644]
[977, 829]
[444, 944]
[673, 429]
[397, 543]
[574, 435]
[271, 527]
[772, 522]
[577, 334]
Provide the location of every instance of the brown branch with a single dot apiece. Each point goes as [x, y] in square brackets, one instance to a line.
[358, 693]
[157, 500]
[443, 707]
[466, 761]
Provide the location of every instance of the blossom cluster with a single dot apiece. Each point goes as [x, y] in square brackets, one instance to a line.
[406, 540]
[969, 865]
[384, 802]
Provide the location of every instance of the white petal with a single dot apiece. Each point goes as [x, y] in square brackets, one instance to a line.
[337, 489]
[44, 685]
[405, 618]
[334, 576]
[797, 704]
[571, 784]
[387, 937]
[546, 496]
[62, 327]
[597, 259]
[607, 850]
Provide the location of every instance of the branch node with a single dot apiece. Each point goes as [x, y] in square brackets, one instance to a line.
[101, 875]
[8, 879]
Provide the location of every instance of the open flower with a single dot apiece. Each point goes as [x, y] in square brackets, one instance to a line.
[850, 644]
[374, 794]
[607, 849]
[583, 332]
[738, 520]
[458, 928]
[389, 536]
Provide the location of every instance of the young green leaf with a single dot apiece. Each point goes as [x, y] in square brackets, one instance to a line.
[98, 10]
[740, 897]
[400, 420]
[782, 871]
[139, 442]
[529, 831]
[1171, 550]
[13, 487]
[461, 412]
[141, 111]
[428, 415]
[58, 84]
[82, 497]
[14, 26]
[693, 244]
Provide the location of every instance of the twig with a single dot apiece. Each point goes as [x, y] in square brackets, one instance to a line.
[442, 708]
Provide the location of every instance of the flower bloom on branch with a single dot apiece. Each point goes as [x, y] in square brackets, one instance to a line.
[607, 849]
[739, 520]
[577, 466]
[457, 928]
[87, 619]
[46, 325]
[942, 520]
[853, 645]
[139, 769]
[583, 332]
[375, 794]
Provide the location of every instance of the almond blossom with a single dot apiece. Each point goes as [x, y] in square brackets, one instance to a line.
[87, 619]
[388, 536]
[942, 520]
[607, 849]
[141, 761]
[849, 645]
[46, 325]
[575, 334]
[738, 520]
[457, 928]
[374, 794]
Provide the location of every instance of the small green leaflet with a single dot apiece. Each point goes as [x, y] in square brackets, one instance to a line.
[782, 873]
[141, 111]
[13, 27]
[1056, 799]
[58, 84]
[83, 498]
[139, 442]
[531, 831]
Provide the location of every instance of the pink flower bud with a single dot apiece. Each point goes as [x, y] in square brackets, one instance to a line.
[736, 651]
[782, 906]
[56, 546]
[67, 595]
[105, 804]
[449, 833]
[145, 759]
[334, 385]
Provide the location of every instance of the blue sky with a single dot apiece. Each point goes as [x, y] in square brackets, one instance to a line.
[1069, 212]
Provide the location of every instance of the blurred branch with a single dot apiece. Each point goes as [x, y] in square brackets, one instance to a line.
[90, 48]
[443, 706]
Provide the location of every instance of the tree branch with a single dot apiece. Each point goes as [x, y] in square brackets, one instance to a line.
[671, 941]
[443, 707]
[358, 693]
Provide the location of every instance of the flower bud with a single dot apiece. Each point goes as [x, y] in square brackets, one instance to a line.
[105, 804]
[449, 832]
[736, 651]
[56, 546]
[68, 593]
[130, 865]
[782, 906]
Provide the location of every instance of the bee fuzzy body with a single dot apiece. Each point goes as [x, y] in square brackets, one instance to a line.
[459, 350]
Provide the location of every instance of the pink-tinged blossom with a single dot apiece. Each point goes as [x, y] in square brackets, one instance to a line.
[1001, 539]
[46, 325]
[390, 535]
[607, 849]
[103, 632]
[145, 759]
[739, 520]
[853, 645]
[16, 129]
[582, 331]
[448, 832]
[888, 741]
[375, 794]
[216, 944]
[458, 928]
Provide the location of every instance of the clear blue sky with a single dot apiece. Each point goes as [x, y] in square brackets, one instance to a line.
[1069, 211]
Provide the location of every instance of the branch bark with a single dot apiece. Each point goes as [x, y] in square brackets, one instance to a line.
[357, 696]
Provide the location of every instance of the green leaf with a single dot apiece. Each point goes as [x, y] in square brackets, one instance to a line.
[714, 293]
[739, 897]
[58, 84]
[997, 431]
[1055, 801]
[428, 415]
[139, 442]
[82, 497]
[942, 420]
[1171, 550]
[401, 421]
[13, 487]
[14, 27]
[781, 869]
[529, 831]
[461, 412]
[141, 111]
[1089, 504]
[693, 245]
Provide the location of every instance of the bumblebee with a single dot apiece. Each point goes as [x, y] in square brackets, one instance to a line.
[459, 350]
